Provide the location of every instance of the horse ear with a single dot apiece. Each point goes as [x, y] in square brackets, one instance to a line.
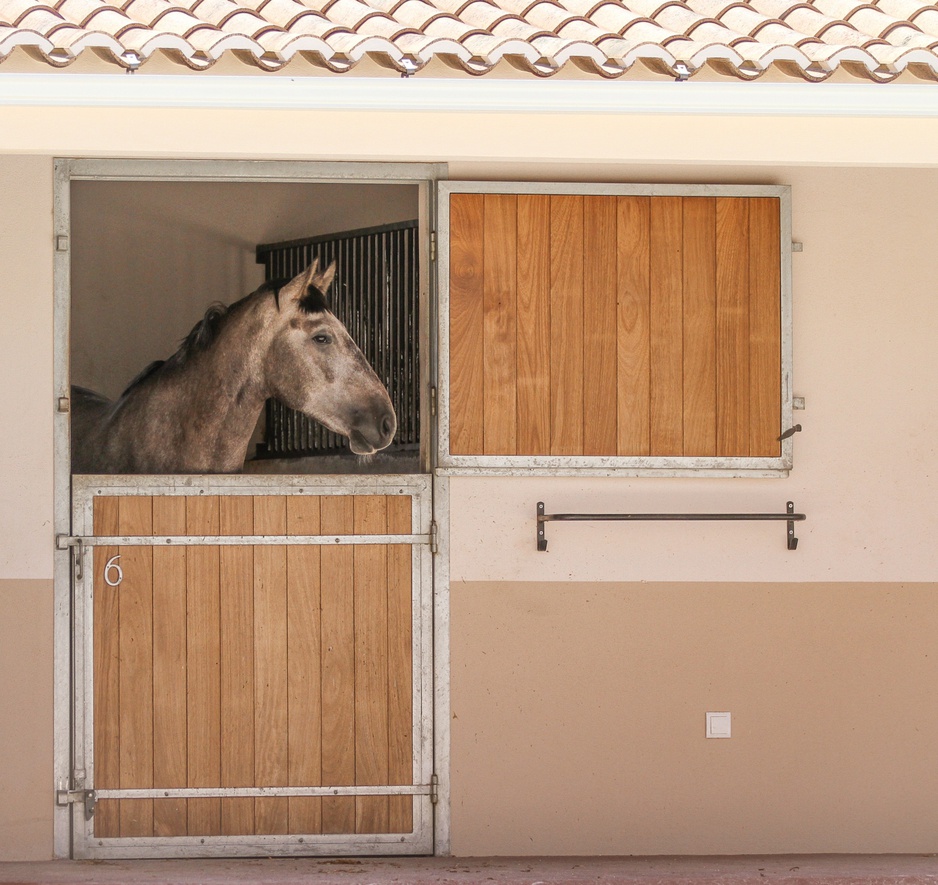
[322, 280]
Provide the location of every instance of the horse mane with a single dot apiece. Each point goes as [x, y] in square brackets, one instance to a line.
[205, 332]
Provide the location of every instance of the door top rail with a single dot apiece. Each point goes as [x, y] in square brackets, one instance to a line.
[64, 542]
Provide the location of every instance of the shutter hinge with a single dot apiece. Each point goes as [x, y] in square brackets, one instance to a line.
[434, 534]
[434, 789]
[433, 401]
[70, 797]
[432, 245]
[61, 243]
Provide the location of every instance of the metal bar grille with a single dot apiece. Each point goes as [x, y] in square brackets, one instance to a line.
[375, 295]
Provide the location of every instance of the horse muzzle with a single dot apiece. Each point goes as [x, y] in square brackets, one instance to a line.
[370, 434]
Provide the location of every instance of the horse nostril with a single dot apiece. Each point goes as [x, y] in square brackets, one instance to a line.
[387, 425]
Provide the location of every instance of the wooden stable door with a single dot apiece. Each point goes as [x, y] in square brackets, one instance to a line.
[615, 326]
[285, 670]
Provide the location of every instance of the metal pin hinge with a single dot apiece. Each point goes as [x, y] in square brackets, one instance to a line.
[434, 789]
[77, 548]
[433, 401]
[434, 533]
[69, 797]
[432, 245]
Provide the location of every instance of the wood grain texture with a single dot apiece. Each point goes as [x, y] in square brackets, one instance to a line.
[500, 245]
[400, 664]
[633, 331]
[600, 357]
[135, 515]
[732, 273]
[106, 630]
[700, 338]
[338, 665]
[203, 665]
[170, 816]
[371, 664]
[466, 330]
[304, 656]
[765, 317]
[271, 735]
[533, 334]
[566, 324]
[667, 326]
[236, 570]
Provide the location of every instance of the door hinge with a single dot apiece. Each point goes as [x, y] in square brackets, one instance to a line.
[432, 245]
[434, 537]
[61, 243]
[70, 797]
[77, 548]
[433, 401]
[434, 789]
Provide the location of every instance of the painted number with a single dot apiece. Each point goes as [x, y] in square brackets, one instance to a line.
[113, 574]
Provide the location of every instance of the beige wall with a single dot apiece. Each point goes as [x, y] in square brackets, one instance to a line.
[26, 797]
[578, 718]
[581, 676]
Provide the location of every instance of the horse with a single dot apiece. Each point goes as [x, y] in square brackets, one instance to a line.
[196, 411]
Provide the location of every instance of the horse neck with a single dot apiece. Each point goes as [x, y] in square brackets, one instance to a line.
[218, 393]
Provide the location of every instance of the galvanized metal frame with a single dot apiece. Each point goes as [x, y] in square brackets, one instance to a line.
[431, 721]
[528, 465]
[420, 841]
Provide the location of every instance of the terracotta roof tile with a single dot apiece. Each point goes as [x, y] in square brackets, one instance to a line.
[877, 40]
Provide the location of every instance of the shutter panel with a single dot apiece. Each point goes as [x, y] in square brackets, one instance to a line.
[642, 329]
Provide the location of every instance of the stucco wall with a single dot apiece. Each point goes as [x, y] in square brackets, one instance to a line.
[581, 676]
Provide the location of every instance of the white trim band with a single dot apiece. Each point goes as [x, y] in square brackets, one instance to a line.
[349, 93]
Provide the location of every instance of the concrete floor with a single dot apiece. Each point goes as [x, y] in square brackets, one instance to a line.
[791, 870]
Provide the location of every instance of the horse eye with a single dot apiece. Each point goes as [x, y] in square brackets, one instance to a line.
[322, 339]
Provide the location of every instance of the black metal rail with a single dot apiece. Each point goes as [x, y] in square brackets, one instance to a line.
[375, 295]
[788, 516]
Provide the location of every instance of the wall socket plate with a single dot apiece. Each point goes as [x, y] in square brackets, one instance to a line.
[719, 725]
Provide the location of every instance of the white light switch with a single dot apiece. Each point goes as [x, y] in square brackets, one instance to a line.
[719, 725]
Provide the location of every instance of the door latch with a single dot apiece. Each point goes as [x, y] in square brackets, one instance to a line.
[71, 797]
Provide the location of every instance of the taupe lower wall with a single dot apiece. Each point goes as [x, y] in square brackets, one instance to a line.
[26, 795]
[578, 718]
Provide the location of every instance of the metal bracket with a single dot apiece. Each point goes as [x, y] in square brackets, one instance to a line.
[789, 516]
[77, 548]
[70, 797]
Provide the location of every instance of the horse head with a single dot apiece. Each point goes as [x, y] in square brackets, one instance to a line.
[314, 366]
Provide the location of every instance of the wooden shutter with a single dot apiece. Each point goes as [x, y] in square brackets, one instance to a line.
[628, 327]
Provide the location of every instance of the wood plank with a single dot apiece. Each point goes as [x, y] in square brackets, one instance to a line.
[135, 517]
[106, 631]
[236, 571]
[533, 372]
[400, 665]
[304, 654]
[566, 324]
[700, 336]
[600, 392]
[765, 328]
[666, 327]
[466, 324]
[371, 664]
[271, 735]
[633, 342]
[170, 816]
[338, 665]
[732, 327]
[499, 324]
[203, 694]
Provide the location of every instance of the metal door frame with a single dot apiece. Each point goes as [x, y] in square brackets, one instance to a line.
[66, 777]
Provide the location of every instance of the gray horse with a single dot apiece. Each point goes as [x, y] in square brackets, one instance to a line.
[196, 411]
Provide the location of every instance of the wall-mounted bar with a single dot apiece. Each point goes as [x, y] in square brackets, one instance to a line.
[789, 516]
